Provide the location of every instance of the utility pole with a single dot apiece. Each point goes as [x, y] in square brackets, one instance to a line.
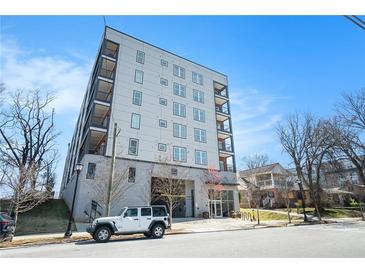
[111, 174]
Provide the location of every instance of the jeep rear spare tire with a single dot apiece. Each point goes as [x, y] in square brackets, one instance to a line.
[157, 231]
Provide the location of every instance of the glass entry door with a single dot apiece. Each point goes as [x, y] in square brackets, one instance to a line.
[216, 208]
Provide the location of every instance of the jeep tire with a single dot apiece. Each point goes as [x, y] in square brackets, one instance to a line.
[157, 231]
[102, 234]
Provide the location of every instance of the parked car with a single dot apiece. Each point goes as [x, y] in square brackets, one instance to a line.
[7, 226]
[149, 220]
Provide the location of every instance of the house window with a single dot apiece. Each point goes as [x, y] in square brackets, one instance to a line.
[164, 82]
[179, 131]
[198, 96]
[135, 121]
[197, 78]
[199, 115]
[137, 98]
[179, 154]
[201, 157]
[90, 171]
[133, 147]
[162, 123]
[131, 175]
[140, 57]
[179, 109]
[162, 147]
[179, 90]
[138, 76]
[163, 101]
[164, 63]
[200, 135]
[179, 71]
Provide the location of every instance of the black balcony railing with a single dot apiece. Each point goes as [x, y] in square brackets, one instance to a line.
[222, 109]
[225, 147]
[222, 93]
[107, 73]
[103, 96]
[224, 128]
[101, 122]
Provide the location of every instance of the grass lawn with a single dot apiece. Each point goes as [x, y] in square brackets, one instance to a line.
[49, 217]
[268, 216]
[335, 213]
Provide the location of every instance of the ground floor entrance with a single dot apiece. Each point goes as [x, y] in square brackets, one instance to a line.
[216, 208]
[221, 203]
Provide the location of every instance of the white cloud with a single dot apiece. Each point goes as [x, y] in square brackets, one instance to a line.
[255, 115]
[24, 69]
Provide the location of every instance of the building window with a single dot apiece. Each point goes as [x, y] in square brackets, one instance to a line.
[137, 98]
[179, 90]
[140, 57]
[179, 154]
[138, 76]
[201, 157]
[133, 147]
[131, 175]
[179, 109]
[200, 135]
[179, 71]
[179, 131]
[199, 115]
[164, 63]
[162, 123]
[197, 78]
[90, 171]
[135, 121]
[174, 171]
[163, 101]
[198, 96]
[162, 147]
[164, 82]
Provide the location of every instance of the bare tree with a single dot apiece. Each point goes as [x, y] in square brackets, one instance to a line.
[28, 151]
[255, 161]
[285, 185]
[169, 186]
[306, 140]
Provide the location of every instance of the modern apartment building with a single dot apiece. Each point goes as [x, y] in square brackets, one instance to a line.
[169, 112]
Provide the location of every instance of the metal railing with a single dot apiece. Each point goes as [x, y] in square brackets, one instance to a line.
[224, 128]
[222, 109]
[221, 93]
[224, 147]
[103, 96]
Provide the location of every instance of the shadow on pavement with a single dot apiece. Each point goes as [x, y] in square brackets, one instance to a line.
[91, 242]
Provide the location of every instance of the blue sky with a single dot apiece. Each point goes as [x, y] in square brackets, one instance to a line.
[276, 64]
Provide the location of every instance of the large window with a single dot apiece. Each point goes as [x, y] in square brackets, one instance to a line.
[201, 157]
[140, 57]
[179, 109]
[197, 78]
[179, 71]
[179, 131]
[179, 154]
[199, 115]
[179, 90]
[135, 121]
[198, 96]
[137, 98]
[200, 135]
[133, 147]
[138, 76]
[90, 171]
[131, 175]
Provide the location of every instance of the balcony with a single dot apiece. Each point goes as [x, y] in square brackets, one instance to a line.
[106, 68]
[110, 49]
[226, 164]
[94, 143]
[104, 91]
[223, 146]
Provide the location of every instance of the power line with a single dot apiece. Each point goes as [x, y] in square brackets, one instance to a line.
[356, 20]
[104, 20]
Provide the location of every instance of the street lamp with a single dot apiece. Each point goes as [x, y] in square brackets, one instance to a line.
[303, 199]
[68, 232]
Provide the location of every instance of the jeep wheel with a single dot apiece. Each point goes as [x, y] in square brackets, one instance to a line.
[158, 231]
[102, 234]
[147, 234]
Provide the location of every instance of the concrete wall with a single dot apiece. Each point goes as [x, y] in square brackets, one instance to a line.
[133, 194]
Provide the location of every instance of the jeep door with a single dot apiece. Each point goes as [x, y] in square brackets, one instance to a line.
[146, 218]
[130, 220]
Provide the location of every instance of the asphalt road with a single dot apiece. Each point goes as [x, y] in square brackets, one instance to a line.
[331, 240]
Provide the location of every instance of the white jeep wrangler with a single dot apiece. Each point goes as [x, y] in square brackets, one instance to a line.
[149, 220]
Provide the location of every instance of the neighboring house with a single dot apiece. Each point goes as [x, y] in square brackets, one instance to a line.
[274, 185]
[165, 107]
